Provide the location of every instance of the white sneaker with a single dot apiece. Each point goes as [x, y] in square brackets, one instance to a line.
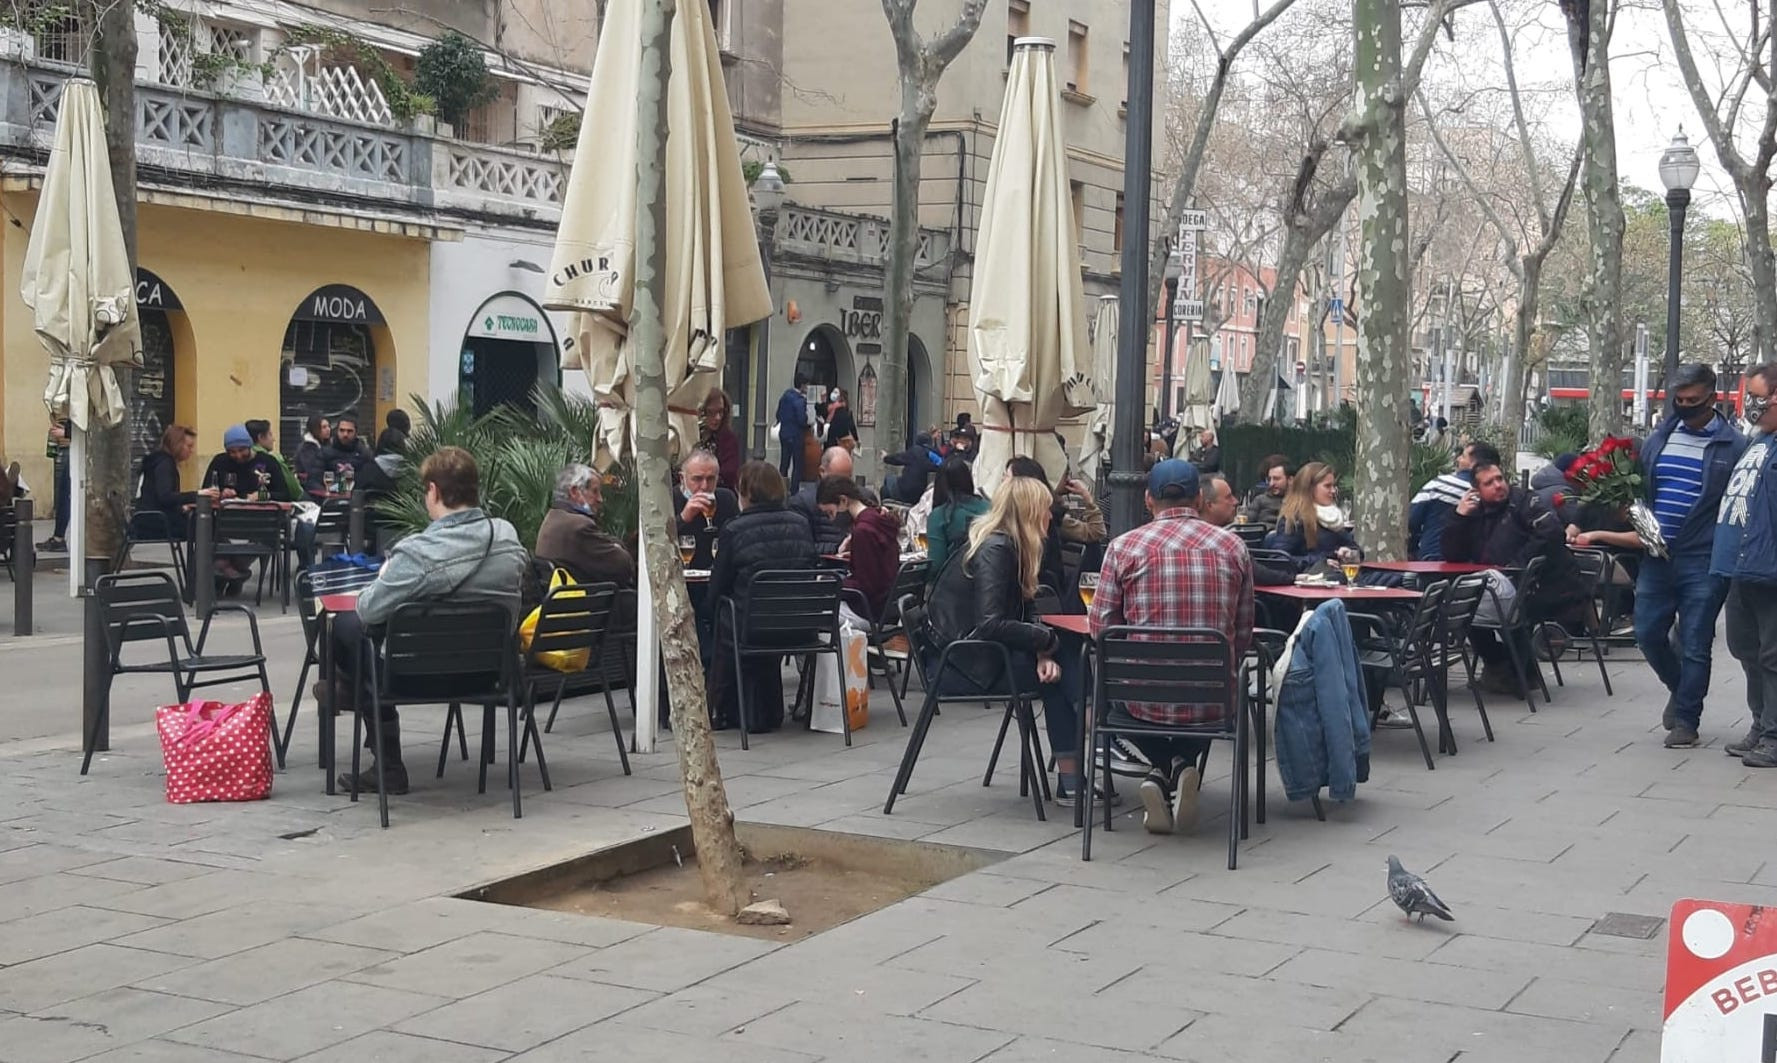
[1184, 799]
[1156, 810]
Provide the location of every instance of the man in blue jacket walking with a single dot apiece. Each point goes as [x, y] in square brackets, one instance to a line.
[1746, 555]
[792, 421]
[1687, 462]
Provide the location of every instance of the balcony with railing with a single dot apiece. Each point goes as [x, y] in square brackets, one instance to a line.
[196, 141]
[850, 239]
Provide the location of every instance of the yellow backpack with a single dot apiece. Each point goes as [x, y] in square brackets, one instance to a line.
[557, 660]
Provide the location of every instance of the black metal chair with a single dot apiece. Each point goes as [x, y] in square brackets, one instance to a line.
[153, 527]
[1018, 706]
[1163, 666]
[428, 648]
[1404, 656]
[333, 528]
[145, 607]
[1461, 602]
[1596, 569]
[787, 613]
[575, 619]
[249, 532]
[1250, 533]
[1511, 624]
[1255, 689]
[311, 587]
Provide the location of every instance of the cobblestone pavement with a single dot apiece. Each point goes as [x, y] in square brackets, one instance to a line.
[296, 929]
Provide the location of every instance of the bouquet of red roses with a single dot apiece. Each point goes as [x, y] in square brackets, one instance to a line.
[1611, 475]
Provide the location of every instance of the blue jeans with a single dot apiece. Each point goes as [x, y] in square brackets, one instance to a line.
[1680, 589]
[790, 463]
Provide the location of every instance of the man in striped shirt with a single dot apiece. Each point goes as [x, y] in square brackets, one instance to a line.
[1687, 461]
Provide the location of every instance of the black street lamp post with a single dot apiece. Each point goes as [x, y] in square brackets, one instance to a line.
[1678, 172]
[1174, 270]
[1136, 323]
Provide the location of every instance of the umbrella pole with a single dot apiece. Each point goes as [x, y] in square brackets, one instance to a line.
[647, 673]
[77, 443]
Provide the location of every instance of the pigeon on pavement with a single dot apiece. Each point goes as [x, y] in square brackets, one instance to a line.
[1412, 895]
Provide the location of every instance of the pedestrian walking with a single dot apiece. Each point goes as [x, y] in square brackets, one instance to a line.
[1745, 552]
[1687, 461]
[792, 425]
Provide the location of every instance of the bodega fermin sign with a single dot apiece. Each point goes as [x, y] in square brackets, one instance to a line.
[339, 304]
[1721, 984]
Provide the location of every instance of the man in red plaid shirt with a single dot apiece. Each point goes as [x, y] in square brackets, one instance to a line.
[1175, 571]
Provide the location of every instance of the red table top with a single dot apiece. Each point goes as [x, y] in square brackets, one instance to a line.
[1321, 594]
[1432, 568]
[1073, 622]
[339, 603]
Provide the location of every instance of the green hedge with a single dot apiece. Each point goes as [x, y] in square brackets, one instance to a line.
[1245, 445]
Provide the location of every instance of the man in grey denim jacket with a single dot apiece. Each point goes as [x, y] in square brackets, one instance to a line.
[463, 555]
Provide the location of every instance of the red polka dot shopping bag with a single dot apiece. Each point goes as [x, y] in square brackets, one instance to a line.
[216, 752]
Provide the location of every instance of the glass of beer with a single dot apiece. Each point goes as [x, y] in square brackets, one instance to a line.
[1088, 587]
[919, 540]
[687, 548]
[1351, 571]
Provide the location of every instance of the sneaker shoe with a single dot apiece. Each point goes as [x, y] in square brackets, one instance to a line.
[1684, 736]
[1763, 755]
[1744, 746]
[55, 544]
[1156, 807]
[1669, 718]
[1066, 797]
[1184, 799]
[1394, 719]
[1128, 760]
[394, 780]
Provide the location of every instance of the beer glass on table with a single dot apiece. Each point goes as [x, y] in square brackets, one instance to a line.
[1088, 587]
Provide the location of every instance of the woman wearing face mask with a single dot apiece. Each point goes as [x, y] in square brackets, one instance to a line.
[842, 429]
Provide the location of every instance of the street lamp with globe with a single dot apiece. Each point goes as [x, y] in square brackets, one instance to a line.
[1175, 268]
[1679, 168]
[768, 199]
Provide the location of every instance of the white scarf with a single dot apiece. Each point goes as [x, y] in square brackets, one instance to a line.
[1330, 516]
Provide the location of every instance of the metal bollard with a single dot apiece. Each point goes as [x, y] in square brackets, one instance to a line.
[24, 565]
[203, 557]
[96, 668]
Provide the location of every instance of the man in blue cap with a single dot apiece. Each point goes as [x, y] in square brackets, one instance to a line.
[240, 470]
[1177, 570]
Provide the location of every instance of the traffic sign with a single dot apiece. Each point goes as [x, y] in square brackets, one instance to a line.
[1335, 306]
[1721, 984]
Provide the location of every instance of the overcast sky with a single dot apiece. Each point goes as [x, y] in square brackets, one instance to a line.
[1650, 99]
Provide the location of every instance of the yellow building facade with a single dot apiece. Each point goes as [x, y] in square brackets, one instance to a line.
[248, 302]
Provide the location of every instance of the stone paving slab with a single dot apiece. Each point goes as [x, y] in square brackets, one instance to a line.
[295, 928]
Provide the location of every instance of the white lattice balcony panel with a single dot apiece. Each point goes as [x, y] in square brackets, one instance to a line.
[472, 173]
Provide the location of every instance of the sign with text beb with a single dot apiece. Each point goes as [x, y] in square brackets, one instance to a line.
[1721, 984]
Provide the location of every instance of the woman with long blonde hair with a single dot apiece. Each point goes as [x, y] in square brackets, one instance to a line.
[985, 592]
[1310, 525]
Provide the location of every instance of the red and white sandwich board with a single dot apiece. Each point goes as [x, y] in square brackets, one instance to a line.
[1721, 984]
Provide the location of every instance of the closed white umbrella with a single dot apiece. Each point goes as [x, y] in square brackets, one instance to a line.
[80, 288]
[1096, 448]
[1027, 324]
[1200, 391]
[714, 278]
[1227, 392]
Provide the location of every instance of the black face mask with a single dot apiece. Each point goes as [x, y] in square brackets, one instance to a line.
[1695, 415]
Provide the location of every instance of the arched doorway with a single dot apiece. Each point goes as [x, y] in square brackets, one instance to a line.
[508, 348]
[825, 359]
[328, 364]
[919, 378]
[154, 389]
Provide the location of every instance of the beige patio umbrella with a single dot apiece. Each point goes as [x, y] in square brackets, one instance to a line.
[1027, 322]
[1200, 391]
[77, 278]
[1095, 449]
[714, 278]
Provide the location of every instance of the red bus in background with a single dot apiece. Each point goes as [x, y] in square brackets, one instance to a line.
[1656, 398]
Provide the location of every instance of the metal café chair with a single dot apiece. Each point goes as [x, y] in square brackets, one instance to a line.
[1163, 666]
[1404, 655]
[910, 582]
[786, 613]
[574, 619]
[444, 653]
[149, 526]
[1511, 623]
[1596, 569]
[1461, 602]
[1252, 534]
[1018, 706]
[145, 607]
[253, 532]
